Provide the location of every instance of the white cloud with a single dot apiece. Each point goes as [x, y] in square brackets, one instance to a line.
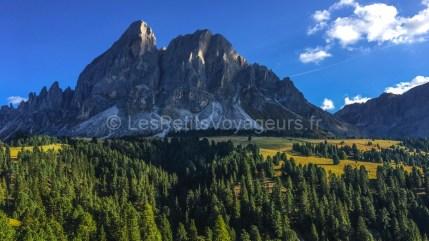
[314, 55]
[343, 3]
[358, 99]
[403, 87]
[327, 105]
[344, 31]
[321, 18]
[321, 15]
[376, 23]
[15, 100]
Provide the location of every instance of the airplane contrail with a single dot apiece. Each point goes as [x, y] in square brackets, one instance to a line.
[322, 68]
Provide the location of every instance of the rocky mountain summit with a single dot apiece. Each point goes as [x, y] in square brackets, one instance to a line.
[199, 76]
[391, 115]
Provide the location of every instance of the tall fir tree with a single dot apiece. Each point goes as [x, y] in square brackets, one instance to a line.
[221, 232]
[150, 231]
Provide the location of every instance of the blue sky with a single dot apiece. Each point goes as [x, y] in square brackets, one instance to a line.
[360, 48]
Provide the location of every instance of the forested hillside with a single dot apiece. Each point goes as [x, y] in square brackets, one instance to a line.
[190, 189]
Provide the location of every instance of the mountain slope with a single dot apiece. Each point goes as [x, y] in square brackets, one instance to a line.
[390, 115]
[199, 78]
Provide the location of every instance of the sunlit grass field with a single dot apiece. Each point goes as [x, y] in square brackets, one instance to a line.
[362, 144]
[14, 151]
[14, 222]
[269, 146]
[285, 143]
[327, 164]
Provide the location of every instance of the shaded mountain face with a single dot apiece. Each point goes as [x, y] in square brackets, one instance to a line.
[390, 115]
[198, 78]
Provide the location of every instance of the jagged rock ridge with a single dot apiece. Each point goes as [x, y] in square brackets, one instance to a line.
[198, 76]
[391, 115]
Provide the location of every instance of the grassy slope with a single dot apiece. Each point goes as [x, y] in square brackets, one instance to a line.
[14, 151]
[14, 222]
[271, 145]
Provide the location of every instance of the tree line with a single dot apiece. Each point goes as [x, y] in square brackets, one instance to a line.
[397, 154]
[191, 189]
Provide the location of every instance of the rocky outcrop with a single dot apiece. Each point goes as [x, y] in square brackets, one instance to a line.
[45, 113]
[198, 76]
[390, 115]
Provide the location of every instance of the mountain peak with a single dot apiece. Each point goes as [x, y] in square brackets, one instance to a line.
[141, 29]
[55, 87]
[140, 36]
[387, 95]
[198, 75]
[202, 31]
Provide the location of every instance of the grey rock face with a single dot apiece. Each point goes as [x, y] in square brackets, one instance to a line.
[129, 66]
[390, 115]
[198, 76]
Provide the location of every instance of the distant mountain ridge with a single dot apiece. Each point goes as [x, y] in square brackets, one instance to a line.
[198, 75]
[391, 115]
